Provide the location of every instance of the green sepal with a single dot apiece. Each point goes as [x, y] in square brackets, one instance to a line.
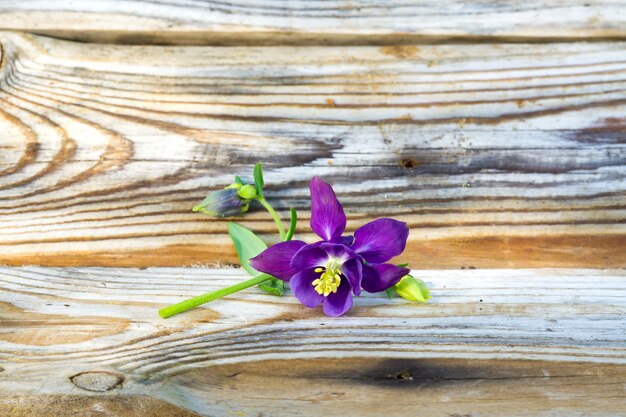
[390, 293]
[404, 265]
[238, 180]
[273, 286]
[234, 186]
[258, 178]
[247, 244]
[292, 224]
[412, 289]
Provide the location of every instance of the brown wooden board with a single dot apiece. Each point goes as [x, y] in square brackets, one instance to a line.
[88, 342]
[497, 155]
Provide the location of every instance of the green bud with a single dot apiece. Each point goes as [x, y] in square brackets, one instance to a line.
[412, 289]
[247, 192]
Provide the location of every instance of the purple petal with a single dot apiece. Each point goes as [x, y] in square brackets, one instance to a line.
[346, 240]
[308, 257]
[337, 250]
[380, 240]
[352, 270]
[379, 277]
[339, 302]
[276, 260]
[328, 220]
[303, 289]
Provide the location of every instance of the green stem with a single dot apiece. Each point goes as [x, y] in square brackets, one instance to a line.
[272, 212]
[194, 302]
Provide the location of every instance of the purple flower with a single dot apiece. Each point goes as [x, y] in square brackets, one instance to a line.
[332, 270]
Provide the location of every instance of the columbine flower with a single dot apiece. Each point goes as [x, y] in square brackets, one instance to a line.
[332, 270]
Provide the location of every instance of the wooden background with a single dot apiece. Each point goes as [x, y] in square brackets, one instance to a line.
[496, 130]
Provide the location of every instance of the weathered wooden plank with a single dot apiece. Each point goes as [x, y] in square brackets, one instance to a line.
[491, 342]
[496, 155]
[314, 22]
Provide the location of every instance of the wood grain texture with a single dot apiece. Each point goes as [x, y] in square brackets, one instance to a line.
[495, 155]
[491, 342]
[78, 406]
[314, 22]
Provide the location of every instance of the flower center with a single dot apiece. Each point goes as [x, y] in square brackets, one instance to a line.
[329, 279]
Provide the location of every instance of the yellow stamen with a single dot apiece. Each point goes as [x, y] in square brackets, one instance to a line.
[329, 280]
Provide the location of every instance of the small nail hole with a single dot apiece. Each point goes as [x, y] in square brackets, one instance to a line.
[404, 375]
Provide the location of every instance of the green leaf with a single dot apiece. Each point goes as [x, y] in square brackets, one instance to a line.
[390, 293]
[273, 286]
[258, 179]
[292, 225]
[238, 180]
[412, 289]
[247, 244]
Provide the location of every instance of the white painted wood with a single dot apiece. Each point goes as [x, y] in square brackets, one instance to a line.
[314, 22]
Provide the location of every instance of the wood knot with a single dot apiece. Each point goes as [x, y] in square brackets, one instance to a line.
[97, 381]
[409, 163]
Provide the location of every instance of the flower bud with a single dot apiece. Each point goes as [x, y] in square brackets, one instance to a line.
[222, 203]
[412, 289]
